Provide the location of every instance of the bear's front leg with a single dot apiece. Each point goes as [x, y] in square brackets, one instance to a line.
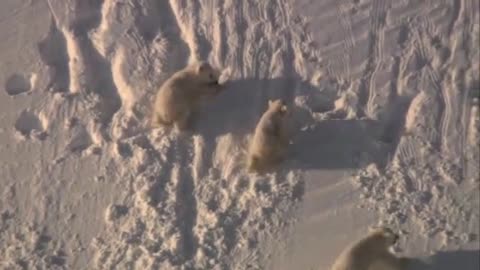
[281, 154]
[390, 262]
[212, 89]
[183, 122]
[156, 120]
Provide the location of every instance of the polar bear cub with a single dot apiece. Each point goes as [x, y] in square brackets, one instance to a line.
[180, 96]
[271, 138]
[371, 253]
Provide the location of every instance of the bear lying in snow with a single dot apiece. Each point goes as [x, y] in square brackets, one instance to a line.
[271, 138]
[371, 253]
[180, 96]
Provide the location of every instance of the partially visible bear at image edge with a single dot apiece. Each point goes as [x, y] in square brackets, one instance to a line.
[371, 253]
[180, 96]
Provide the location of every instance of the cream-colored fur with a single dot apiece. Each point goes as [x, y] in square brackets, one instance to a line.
[181, 94]
[371, 253]
[271, 138]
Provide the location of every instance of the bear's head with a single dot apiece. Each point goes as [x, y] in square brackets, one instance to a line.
[206, 73]
[385, 236]
[278, 106]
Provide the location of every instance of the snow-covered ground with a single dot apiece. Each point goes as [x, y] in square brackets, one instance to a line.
[384, 95]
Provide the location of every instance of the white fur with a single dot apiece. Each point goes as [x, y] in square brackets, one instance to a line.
[271, 138]
[181, 94]
[371, 253]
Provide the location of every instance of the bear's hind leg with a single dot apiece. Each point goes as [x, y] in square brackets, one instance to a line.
[183, 122]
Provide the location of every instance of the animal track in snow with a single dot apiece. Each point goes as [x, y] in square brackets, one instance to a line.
[19, 83]
[80, 139]
[53, 52]
[33, 249]
[30, 125]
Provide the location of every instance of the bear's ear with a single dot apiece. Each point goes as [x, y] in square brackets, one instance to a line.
[270, 102]
[202, 67]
